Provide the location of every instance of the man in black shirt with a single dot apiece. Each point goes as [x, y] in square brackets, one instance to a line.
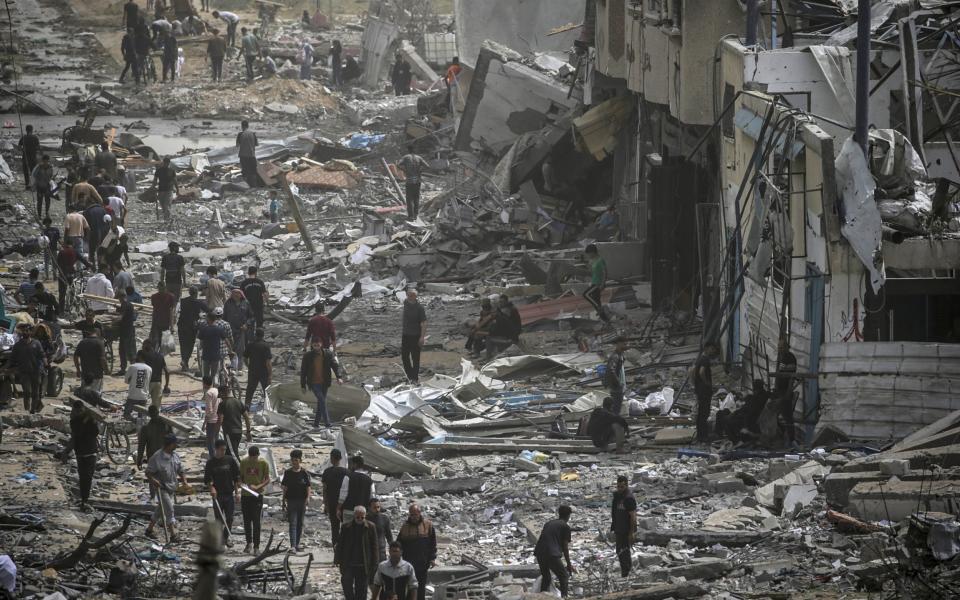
[89, 323]
[26, 358]
[47, 306]
[83, 435]
[222, 476]
[191, 308]
[98, 229]
[552, 545]
[173, 272]
[129, 53]
[356, 555]
[506, 328]
[165, 180]
[260, 366]
[786, 375]
[233, 416]
[413, 334]
[356, 488]
[703, 388]
[381, 521]
[256, 293]
[90, 359]
[131, 13]
[332, 479]
[296, 494]
[29, 145]
[606, 426]
[623, 523]
[158, 371]
[127, 332]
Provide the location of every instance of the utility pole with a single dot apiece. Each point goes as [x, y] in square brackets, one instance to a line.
[860, 134]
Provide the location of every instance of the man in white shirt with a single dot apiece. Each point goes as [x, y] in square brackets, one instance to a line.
[138, 384]
[99, 285]
[119, 208]
[232, 21]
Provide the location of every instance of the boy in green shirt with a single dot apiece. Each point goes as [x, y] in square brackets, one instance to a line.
[254, 474]
[598, 281]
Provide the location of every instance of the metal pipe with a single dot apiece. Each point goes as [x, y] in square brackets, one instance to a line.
[753, 20]
[863, 76]
[892, 235]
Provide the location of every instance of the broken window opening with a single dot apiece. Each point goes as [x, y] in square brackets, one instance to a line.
[914, 309]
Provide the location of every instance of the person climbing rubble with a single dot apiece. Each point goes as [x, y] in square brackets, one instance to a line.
[552, 545]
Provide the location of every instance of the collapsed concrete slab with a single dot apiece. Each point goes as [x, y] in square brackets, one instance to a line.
[507, 99]
[895, 500]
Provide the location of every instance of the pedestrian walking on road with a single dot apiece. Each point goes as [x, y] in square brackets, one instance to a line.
[165, 182]
[26, 358]
[414, 333]
[254, 477]
[188, 324]
[29, 145]
[357, 556]
[552, 545]
[216, 51]
[395, 578]
[173, 272]
[84, 434]
[332, 479]
[42, 178]
[412, 165]
[296, 494]
[356, 488]
[171, 54]
[381, 520]
[247, 151]
[222, 478]
[318, 369]
[251, 49]
[320, 328]
[418, 539]
[259, 359]
[164, 469]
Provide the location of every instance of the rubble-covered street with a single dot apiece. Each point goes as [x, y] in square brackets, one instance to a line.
[627, 300]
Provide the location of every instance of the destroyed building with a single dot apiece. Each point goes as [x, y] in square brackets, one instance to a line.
[745, 180]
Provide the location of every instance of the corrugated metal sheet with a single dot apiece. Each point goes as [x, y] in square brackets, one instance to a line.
[887, 390]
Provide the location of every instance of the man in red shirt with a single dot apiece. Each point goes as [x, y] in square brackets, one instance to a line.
[320, 328]
[163, 303]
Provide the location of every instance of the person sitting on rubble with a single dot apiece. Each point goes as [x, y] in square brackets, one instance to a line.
[506, 328]
[606, 426]
[743, 424]
[269, 70]
[476, 341]
[607, 224]
[351, 70]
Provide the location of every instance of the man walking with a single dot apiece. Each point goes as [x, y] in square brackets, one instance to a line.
[67, 259]
[165, 181]
[702, 376]
[381, 521]
[173, 273]
[615, 377]
[246, 150]
[75, 229]
[296, 494]
[332, 479]
[138, 385]
[216, 51]
[254, 477]
[163, 470]
[26, 360]
[623, 523]
[598, 281]
[395, 578]
[211, 338]
[222, 477]
[320, 328]
[211, 413]
[412, 165]
[251, 50]
[418, 539]
[83, 435]
[233, 416]
[552, 545]
[90, 359]
[237, 312]
[29, 145]
[356, 555]
[317, 370]
[171, 55]
[356, 489]
[255, 291]
[151, 436]
[129, 53]
[164, 306]
[106, 161]
[127, 332]
[159, 373]
[42, 177]
[259, 367]
[191, 308]
[414, 333]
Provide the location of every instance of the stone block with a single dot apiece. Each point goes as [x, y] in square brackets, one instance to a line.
[898, 467]
[675, 436]
[896, 500]
[837, 486]
[797, 498]
[779, 467]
